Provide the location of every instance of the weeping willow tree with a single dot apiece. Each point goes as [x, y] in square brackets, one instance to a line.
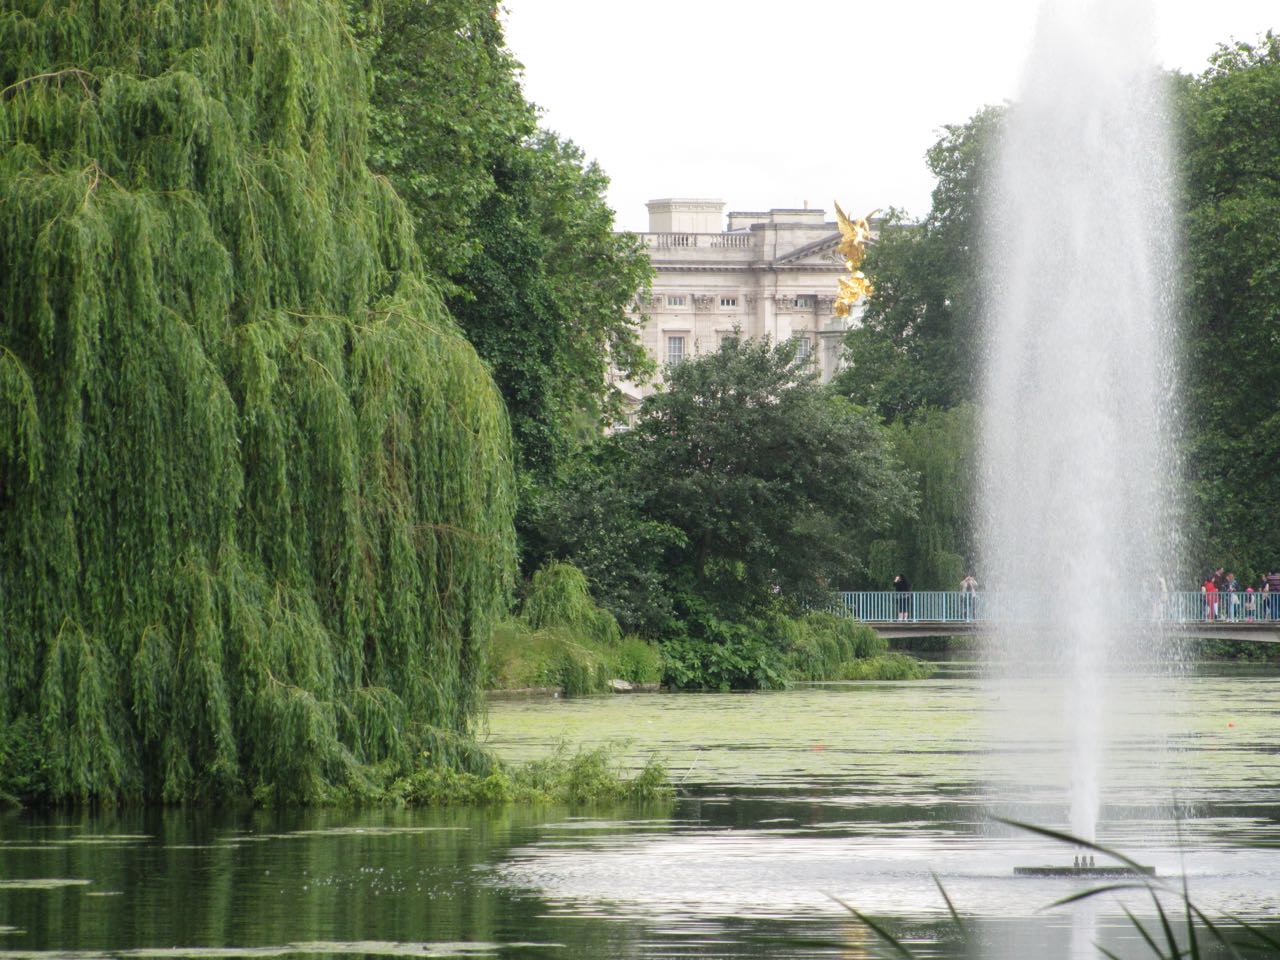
[938, 448]
[255, 488]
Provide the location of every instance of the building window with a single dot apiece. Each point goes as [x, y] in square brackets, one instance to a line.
[803, 348]
[675, 350]
[804, 303]
[728, 301]
[674, 301]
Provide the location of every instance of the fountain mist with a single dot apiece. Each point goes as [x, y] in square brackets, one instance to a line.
[1078, 473]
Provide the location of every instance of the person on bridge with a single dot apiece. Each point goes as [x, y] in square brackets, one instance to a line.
[1273, 588]
[903, 586]
[1210, 591]
[968, 595]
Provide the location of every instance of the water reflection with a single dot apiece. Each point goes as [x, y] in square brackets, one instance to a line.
[743, 865]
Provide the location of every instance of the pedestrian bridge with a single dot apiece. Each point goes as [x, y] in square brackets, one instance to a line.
[951, 613]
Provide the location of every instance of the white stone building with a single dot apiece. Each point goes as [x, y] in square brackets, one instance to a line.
[771, 274]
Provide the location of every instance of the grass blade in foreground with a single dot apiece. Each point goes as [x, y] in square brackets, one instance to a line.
[950, 906]
[1075, 841]
[878, 930]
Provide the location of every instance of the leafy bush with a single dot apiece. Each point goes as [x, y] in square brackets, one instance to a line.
[890, 666]
[559, 597]
[1228, 650]
[769, 653]
[721, 655]
[637, 661]
[552, 657]
[821, 644]
[564, 640]
[587, 776]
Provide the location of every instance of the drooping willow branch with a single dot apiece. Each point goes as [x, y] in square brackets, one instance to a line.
[255, 488]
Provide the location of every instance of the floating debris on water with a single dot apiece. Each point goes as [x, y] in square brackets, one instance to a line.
[43, 883]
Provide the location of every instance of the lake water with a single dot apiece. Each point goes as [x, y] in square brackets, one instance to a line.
[862, 792]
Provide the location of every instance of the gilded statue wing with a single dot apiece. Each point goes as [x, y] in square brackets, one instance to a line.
[854, 237]
[851, 240]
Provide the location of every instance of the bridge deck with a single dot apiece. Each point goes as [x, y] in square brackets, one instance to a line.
[1255, 617]
[1254, 632]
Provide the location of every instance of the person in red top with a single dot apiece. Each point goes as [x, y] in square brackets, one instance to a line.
[1210, 591]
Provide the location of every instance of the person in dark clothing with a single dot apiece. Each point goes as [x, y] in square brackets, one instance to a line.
[903, 586]
[1273, 588]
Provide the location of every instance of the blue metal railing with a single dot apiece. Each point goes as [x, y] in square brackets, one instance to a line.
[954, 606]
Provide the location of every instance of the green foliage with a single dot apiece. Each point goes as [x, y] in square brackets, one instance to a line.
[1231, 139]
[446, 106]
[820, 646]
[546, 298]
[723, 656]
[255, 487]
[1242, 650]
[772, 651]
[744, 490]
[559, 597]
[888, 666]
[636, 660]
[594, 515]
[23, 773]
[562, 639]
[917, 345]
[513, 216]
[524, 658]
[939, 448]
[775, 483]
[585, 777]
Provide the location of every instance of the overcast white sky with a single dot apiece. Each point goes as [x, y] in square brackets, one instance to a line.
[774, 104]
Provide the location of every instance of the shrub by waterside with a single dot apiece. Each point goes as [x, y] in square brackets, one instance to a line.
[889, 666]
[771, 652]
[524, 658]
[562, 639]
[587, 776]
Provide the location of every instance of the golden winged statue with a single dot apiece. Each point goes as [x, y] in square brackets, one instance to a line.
[854, 237]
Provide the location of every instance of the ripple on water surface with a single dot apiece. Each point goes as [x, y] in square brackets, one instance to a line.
[861, 792]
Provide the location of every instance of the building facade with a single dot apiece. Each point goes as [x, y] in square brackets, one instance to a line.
[767, 274]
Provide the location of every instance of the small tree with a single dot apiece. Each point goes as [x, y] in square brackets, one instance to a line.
[777, 484]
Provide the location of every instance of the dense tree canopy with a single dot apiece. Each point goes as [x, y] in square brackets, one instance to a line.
[255, 487]
[918, 344]
[545, 298]
[776, 482]
[761, 486]
[935, 547]
[596, 516]
[512, 217]
[1231, 136]
[916, 351]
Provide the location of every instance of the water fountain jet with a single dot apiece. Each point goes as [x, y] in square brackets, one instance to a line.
[1078, 412]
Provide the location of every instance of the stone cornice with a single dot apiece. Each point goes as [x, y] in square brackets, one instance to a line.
[809, 249]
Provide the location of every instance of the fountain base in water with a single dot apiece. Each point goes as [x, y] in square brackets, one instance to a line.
[1087, 872]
